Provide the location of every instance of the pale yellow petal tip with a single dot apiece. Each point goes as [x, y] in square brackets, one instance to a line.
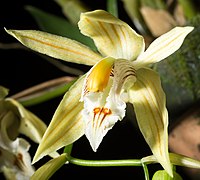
[93, 13]
[184, 30]
[10, 31]
[39, 154]
[169, 171]
[188, 29]
[37, 157]
[100, 15]
[166, 166]
[7, 30]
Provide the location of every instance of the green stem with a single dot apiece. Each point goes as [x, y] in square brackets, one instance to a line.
[112, 7]
[44, 91]
[146, 172]
[105, 163]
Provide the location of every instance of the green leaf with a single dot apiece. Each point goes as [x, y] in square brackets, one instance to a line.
[163, 175]
[48, 169]
[72, 9]
[59, 26]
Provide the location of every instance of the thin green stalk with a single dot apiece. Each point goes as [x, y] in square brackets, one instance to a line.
[105, 163]
[44, 91]
[146, 172]
[112, 7]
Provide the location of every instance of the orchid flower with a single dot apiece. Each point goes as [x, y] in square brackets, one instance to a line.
[120, 74]
[15, 160]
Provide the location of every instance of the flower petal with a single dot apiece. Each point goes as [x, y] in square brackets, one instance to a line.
[163, 46]
[66, 125]
[175, 159]
[181, 160]
[112, 36]
[148, 100]
[98, 76]
[9, 126]
[30, 124]
[48, 169]
[17, 165]
[94, 93]
[3, 92]
[56, 46]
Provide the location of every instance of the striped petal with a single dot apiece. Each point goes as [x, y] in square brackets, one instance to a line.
[148, 100]
[163, 46]
[66, 125]
[112, 36]
[56, 46]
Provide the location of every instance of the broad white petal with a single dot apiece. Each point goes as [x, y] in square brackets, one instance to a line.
[149, 104]
[112, 36]
[163, 46]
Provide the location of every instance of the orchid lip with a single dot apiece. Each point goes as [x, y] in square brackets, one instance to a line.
[105, 85]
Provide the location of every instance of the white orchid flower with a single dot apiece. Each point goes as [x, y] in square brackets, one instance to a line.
[120, 74]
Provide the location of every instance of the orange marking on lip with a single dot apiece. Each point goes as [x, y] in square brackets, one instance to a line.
[102, 113]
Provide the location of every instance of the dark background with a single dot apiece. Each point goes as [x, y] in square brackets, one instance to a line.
[20, 69]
